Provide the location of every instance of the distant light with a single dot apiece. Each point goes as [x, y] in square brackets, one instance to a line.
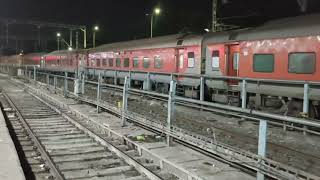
[96, 28]
[21, 54]
[70, 48]
[157, 11]
[207, 30]
[58, 34]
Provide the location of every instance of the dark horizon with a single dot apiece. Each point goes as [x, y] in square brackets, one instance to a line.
[121, 20]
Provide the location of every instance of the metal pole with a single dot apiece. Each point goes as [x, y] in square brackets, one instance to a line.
[83, 82]
[125, 99]
[58, 44]
[34, 73]
[98, 93]
[65, 89]
[39, 37]
[129, 79]
[70, 43]
[48, 79]
[202, 82]
[244, 94]
[94, 39]
[7, 33]
[151, 28]
[171, 109]
[262, 146]
[214, 15]
[306, 103]
[148, 82]
[77, 40]
[115, 77]
[85, 38]
[55, 82]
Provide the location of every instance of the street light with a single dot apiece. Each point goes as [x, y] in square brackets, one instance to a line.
[58, 40]
[156, 11]
[95, 29]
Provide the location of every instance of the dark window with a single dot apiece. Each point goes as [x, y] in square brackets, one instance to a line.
[111, 62]
[179, 42]
[104, 62]
[126, 62]
[118, 62]
[191, 60]
[302, 63]
[263, 63]
[215, 54]
[146, 62]
[98, 62]
[157, 62]
[135, 62]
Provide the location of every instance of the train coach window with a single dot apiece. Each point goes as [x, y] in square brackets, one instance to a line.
[146, 62]
[157, 62]
[98, 62]
[302, 63]
[126, 62]
[104, 62]
[110, 62]
[215, 60]
[263, 63]
[135, 62]
[191, 59]
[236, 61]
[118, 62]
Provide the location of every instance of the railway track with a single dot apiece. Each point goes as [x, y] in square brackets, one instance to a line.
[293, 157]
[273, 165]
[57, 145]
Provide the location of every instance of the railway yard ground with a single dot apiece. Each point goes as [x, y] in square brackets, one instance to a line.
[78, 143]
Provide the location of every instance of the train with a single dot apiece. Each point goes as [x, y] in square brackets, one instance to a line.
[280, 50]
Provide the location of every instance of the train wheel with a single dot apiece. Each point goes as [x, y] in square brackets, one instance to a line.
[295, 109]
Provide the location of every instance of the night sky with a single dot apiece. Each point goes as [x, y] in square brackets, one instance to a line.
[121, 20]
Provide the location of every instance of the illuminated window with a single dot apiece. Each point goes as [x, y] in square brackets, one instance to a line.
[236, 61]
[146, 62]
[302, 63]
[191, 59]
[181, 59]
[215, 62]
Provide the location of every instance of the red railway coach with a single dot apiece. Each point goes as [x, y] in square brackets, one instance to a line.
[162, 56]
[64, 60]
[286, 49]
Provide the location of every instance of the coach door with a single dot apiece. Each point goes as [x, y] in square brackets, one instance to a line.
[233, 62]
[179, 58]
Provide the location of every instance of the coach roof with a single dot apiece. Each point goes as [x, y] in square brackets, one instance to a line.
[308, 25]
[176, 40]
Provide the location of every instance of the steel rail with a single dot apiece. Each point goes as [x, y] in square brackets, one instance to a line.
[248, 112]
[43, 152]
[131, 161]
[234, 155]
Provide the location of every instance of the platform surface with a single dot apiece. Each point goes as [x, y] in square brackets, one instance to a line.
[10, 167]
